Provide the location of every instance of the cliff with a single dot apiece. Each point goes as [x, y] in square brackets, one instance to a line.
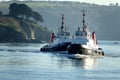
[21, 30]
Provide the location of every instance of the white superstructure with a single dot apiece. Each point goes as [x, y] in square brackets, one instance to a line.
[62, 36]
[84, 37]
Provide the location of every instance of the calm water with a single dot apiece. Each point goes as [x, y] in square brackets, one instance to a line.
[26, 62]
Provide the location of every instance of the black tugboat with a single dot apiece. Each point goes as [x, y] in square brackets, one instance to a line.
[60, 41]
[84, 42]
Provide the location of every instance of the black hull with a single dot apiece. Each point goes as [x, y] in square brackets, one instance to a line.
[58, 47]
[78, 49]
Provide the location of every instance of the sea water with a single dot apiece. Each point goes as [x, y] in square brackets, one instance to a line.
[24, 61]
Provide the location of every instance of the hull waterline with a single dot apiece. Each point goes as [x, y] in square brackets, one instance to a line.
[58, 47]
[79, 49]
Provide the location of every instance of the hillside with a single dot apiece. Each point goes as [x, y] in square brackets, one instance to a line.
[103, 19]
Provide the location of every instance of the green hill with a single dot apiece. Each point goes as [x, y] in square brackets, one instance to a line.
[100, 18]
[103, 19]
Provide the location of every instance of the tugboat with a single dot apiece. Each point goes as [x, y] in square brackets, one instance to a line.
[59, 42]
[85, 42]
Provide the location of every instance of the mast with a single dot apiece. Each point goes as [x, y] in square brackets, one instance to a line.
[83, 21]
[62, 22]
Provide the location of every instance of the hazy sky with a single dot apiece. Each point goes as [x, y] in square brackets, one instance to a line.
[101, 2]
[106, 2]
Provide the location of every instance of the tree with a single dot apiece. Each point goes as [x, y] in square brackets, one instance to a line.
[14, 11]
[20, 10]
[25, 11]
[29, 12]
[37, 17]
[17, 10]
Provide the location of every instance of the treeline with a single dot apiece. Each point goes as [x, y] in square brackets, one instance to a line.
[22, 10]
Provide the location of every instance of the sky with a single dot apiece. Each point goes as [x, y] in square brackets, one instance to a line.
[100, 2]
